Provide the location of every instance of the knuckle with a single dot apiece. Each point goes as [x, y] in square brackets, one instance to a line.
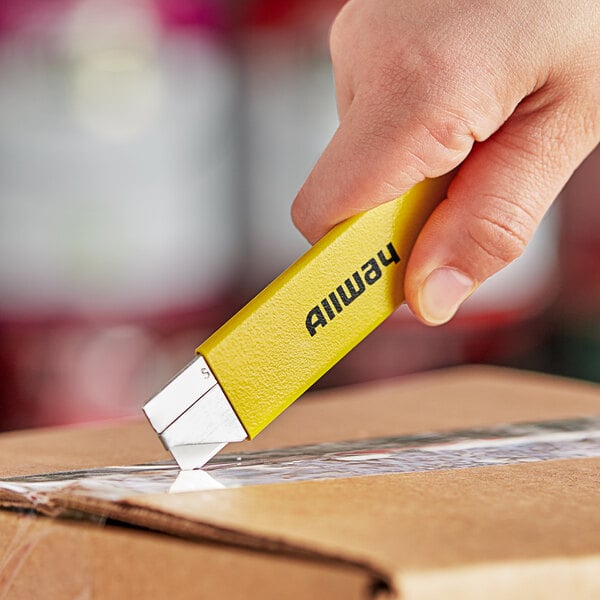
[501, 230]
[440, 141]
[449, 134]
[437, 135]
[431, 142]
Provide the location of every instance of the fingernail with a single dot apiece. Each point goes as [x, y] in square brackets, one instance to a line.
[444, 290]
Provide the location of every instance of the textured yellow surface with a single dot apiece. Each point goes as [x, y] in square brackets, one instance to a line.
[287, 337]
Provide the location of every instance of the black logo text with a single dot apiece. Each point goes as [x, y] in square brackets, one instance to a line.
[343, 295]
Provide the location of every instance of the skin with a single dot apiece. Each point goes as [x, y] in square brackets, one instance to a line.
[505, 92]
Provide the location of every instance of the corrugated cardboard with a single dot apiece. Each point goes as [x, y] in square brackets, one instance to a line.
[526, 530]
[61, 560]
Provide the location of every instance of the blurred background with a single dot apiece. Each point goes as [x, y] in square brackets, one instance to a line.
[149, 155]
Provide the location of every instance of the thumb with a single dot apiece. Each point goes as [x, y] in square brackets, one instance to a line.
[494, 205]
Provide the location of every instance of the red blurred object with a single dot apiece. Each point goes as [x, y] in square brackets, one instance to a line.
[289, 15]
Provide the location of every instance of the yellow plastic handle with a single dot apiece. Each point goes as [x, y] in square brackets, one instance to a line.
[317, 310]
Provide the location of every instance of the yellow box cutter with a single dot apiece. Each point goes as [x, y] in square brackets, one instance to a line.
[252, 368]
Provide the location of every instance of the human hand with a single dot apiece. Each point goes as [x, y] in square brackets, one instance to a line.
[508, 90]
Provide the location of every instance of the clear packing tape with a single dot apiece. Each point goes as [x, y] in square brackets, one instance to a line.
[502, 445]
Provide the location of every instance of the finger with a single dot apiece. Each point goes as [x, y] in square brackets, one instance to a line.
[494, 204]
[374, 158]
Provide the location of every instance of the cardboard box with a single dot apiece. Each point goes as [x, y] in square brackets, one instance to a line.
[528, 530]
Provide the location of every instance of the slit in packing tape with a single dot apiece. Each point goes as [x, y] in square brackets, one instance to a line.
[504, 445]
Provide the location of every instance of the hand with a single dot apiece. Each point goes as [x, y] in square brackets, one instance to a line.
[507, 89]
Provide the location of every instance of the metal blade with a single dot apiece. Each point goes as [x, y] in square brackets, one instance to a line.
[195, 456]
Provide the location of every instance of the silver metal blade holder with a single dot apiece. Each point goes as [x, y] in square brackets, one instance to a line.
[193, 417]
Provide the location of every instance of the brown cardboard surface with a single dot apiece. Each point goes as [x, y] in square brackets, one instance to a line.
[532, 529]
[61, 560]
